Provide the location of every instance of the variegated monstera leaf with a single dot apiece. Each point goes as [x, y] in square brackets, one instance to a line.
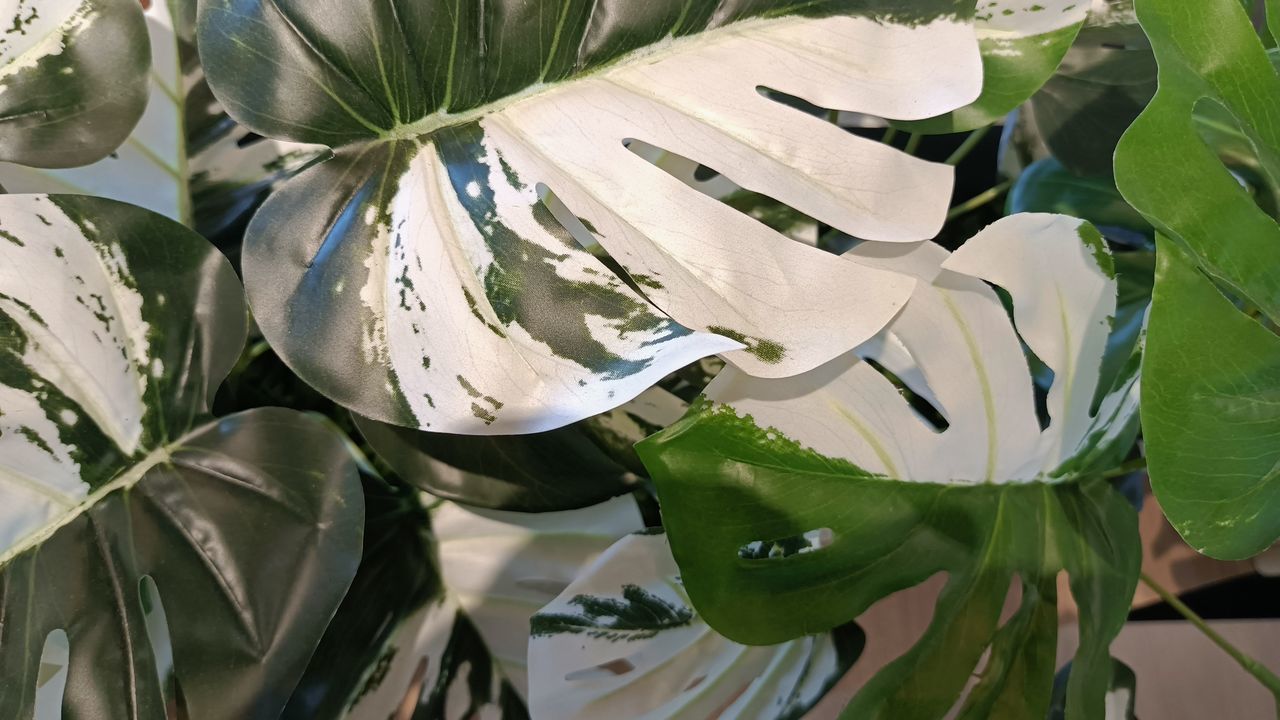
[623, 640]
[73, 79]
[792, 505]
[422, 277]
[186, 158]
[437, 623]
[1022, 43]
[116, 325]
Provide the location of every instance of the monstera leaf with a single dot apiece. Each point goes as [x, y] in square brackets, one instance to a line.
[73, 79]
[1022, 42]
[186, 158]
[450, 641]
[570, 467]
[450, 295]
[622, 640]
[1104, 81]
[115, 327]
[1210, 424]
[793, 505]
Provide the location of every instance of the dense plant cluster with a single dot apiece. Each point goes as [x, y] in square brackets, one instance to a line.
[578, 359]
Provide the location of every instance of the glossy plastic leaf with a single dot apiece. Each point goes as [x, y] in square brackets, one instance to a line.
[622, 640]
[186, 158]
[73, 79]
[1022, 42]
[971, 486]
[451, 642]
[1104, 81]
[450, 297]
[112, 472]
[1210, 427]
[570, 467]
[398, 646]
[1047, 186]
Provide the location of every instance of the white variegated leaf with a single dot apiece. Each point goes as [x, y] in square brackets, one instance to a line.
[161, 165]
[1022, 42]
[623, 641]
[955, 346]
[452, 298]
[72, 78]
[116, 325]
[497, 569]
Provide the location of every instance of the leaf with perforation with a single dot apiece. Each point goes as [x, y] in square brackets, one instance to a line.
[964, 480]
[421, 276]
[73, 79]
[622, 640]
[116, 325]
[1211, 405]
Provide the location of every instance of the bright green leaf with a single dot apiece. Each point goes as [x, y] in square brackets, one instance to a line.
[991, 498]
[1210, 368]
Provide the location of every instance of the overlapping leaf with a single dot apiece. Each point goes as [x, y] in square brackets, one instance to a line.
[186, 158]
[1210, 413]
[1022, 42]
[793, 505]
[115, 327]
[73, 79]
[622, 640]
[570, 467]
[451, 642]
[447, 295]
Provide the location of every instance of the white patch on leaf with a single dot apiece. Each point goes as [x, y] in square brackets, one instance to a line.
[677, 668]
[88, 339]
[44, 27]
[955, 345]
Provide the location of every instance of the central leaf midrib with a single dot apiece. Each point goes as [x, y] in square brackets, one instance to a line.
[127, 478]
[668, 47]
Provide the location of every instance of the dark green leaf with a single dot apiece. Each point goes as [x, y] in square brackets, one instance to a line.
[115, 326]
[73, 79]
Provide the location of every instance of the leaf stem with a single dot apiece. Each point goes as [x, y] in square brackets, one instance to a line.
[1129, 466]
[913, 143]
[968, 145]
[978, 200]
[1252, 666]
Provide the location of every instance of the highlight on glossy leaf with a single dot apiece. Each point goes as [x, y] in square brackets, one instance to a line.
[451, 294]
[185, 159]
[1210, 425]
[623, 640]
[113, 476]
[453, 640]
[923, 452]
[73, 79]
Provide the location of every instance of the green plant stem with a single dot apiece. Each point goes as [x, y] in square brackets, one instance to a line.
[889, 135]
[978, 200]
[1130, 466]
[1253, 667]
[913, 143]
[968, 145]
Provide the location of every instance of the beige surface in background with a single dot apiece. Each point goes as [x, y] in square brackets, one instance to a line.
[1181, 674]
